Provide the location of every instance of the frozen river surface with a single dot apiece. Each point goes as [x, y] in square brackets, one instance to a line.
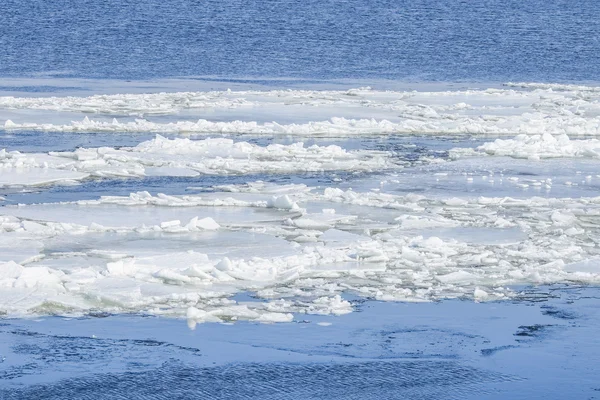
[145, 205]
[299, 199]
[325, 225]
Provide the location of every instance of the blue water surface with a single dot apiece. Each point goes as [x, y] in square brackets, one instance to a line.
[418, 40]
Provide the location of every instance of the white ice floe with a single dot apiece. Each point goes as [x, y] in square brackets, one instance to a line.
[530, 123]
[533, 109]
[28, 176]
[182, 157]
[542, 146]
[187, 255]
[127, 104]
[553, 86]
[264, 187]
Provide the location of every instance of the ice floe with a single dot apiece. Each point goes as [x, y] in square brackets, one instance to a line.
[182, 157]
[423, 233]
[530, 123]
[186, 256]
[542, 146]
[127, 104]
[521, 109]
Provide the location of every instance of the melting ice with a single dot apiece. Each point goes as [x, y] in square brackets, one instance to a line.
[519, 209]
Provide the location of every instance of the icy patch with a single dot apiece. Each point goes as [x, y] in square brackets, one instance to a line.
[127, 104]
[186, 256]
[144, 212]
[282, 202]
[11, 177]
[540, 108]
[264, 187]
[300, 249]
[182, 157]
[542, 146]
[534, 123]
[553, 86]
[590, 266]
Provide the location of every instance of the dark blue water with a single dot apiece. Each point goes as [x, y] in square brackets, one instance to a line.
[421, 40]
[394, 380]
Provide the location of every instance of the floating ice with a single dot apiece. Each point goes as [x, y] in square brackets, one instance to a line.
[589, 266]
[182, 157]
[543, 146]
[181, 256]
[553, 86]
[296, 248]
[282, 202]
[555, 109]
[533, 123]
[128, 104]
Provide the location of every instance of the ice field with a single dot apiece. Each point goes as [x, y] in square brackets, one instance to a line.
[510, 109]
[299, 199]
[297, 196]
